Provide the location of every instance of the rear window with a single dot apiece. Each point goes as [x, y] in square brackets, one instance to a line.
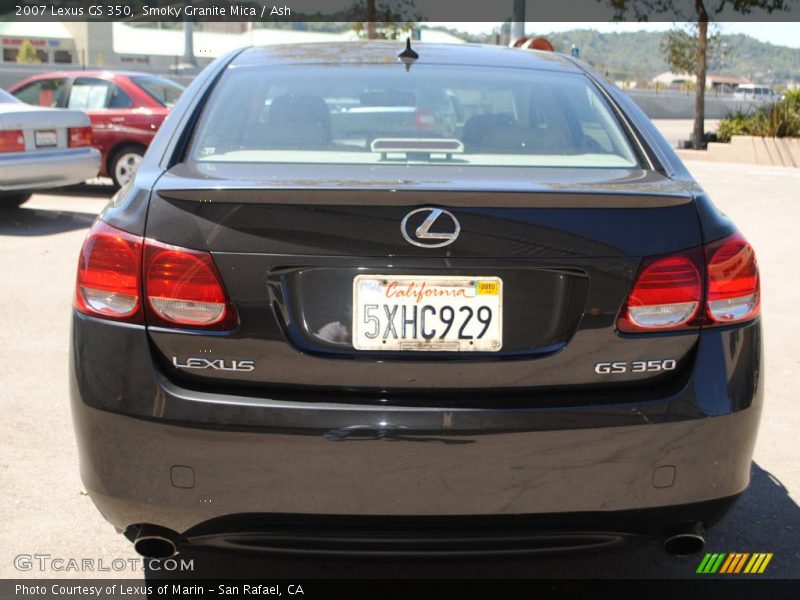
[43, 92]
[443, 115]
[164, 91]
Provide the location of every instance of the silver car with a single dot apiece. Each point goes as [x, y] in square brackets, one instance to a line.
[42, 148]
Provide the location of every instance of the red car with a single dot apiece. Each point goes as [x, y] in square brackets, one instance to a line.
[126, 110]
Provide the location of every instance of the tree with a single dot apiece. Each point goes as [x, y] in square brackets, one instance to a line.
[27, 54]
[679, 47]
[385, 19]
[701, 16]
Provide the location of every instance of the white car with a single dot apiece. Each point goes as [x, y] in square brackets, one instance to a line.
[750, 91]
[42, 148]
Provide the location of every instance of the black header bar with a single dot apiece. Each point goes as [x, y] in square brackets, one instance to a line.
[288, 11]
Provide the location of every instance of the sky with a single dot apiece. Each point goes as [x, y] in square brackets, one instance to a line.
[780, 34]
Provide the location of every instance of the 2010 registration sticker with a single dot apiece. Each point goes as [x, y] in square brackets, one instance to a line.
[428, 313]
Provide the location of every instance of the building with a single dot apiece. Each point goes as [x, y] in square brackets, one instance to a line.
[718, 83]
[153, 46]
[54, 43]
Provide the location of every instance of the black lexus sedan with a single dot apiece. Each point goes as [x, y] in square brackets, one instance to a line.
[462, 300]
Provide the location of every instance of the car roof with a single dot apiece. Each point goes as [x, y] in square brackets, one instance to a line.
[101, 73]
[385, 52]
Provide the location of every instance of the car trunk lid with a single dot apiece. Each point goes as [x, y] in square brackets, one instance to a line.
[565, 243]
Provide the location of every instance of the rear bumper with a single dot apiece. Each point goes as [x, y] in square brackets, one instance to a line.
[32, 171]
[155, 453]
[460, 535]
[133, 470]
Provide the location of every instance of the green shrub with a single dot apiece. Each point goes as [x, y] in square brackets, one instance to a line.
[792, 98]
[779, 119]
[737, 123]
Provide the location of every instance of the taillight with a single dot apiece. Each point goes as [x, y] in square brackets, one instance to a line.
[183, 287]
[733, 281]
[109, 273]
[79, 136]
[117, 271]
[667, 294]
[717, 284]
[12, 140]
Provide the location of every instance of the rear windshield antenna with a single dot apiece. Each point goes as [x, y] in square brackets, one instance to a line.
[408, 56]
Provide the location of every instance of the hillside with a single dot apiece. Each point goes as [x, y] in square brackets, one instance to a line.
[637, 55]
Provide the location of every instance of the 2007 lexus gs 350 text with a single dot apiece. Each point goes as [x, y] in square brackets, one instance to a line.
[462, 300]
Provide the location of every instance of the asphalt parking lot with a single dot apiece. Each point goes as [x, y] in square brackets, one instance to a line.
[46, 511]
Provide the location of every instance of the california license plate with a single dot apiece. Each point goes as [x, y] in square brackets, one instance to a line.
[433, 313]
[45, 138]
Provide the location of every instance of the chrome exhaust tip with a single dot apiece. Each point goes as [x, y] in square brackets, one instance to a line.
[685, 541]
[156, 542]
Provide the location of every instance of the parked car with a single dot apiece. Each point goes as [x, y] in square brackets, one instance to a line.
[303, 330]
[126, 109]
[750, 91]
[42, 148]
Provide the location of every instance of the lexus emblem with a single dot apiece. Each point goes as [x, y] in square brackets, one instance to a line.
[438, 227]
